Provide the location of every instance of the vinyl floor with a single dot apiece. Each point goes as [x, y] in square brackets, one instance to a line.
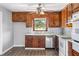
[20, 51]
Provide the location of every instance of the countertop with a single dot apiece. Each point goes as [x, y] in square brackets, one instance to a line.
[66, 37]
[42, 34]
[59, 35]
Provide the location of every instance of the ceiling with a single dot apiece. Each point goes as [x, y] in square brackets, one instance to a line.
[20, 7]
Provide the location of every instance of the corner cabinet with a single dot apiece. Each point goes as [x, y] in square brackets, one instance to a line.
[66, 15]
[34, 41]
[54, 19]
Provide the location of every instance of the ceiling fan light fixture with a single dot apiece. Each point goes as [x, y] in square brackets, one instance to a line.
[40, 9]
[42, 12]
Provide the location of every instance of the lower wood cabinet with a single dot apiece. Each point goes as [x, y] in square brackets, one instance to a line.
[69, 48]
[34, 41]
[75, 53]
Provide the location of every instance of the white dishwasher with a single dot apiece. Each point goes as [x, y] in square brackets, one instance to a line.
[49, 42]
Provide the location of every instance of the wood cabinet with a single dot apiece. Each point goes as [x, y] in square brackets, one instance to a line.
[69, 15]
[66, 15]
[35, 41]
[41, 41]
[28, 41]
[75, 7]
[50, 20]
[56, 20]
[75, 53]
[69, 48]
[29, 21]
[53, 18]
[19, 16]
[30, 18]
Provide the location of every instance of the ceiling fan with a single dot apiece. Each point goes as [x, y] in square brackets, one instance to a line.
[39, 9]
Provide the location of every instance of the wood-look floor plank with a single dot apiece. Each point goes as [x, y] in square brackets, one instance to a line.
[20, 51]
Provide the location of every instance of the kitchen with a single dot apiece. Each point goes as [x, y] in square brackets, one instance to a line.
[49, 26]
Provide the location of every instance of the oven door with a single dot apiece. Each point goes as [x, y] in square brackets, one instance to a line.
[62, 46]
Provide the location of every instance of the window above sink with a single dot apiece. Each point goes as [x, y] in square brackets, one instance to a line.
[40, 24]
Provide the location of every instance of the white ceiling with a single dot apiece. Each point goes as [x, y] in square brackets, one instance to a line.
[32, 6]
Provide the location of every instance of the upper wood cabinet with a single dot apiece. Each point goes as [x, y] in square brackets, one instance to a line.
[50, 20]
[53, 19]
[69, 11]
[75, 7]
[66, 15]
[19, 16]
[30, 18]
[56, 20]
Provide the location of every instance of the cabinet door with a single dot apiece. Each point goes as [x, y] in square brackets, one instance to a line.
[69, 15]
[69, 48]
[51, 23]
[56, 19]
[62, 17]
[19, 16]
[41, 42]
[35, 42]
[75, 7]
[28, 41]
[69, 11]
[29, 21]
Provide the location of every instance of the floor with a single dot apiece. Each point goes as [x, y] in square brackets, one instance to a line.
[20, 51]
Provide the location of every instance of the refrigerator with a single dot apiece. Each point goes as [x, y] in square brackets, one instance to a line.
[75, 31]
[75, 26]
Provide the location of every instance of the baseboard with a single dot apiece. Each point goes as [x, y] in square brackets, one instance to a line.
[19, 46]
[35, 48]
[7, 50]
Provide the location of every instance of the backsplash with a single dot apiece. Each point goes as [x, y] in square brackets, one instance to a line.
[49, 31]
[67, 31]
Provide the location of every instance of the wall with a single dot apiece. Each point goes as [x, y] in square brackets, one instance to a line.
[53, 31]
[0, 32]
[20, 30]
[19, 33]
[67, 31]
[7, 41]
